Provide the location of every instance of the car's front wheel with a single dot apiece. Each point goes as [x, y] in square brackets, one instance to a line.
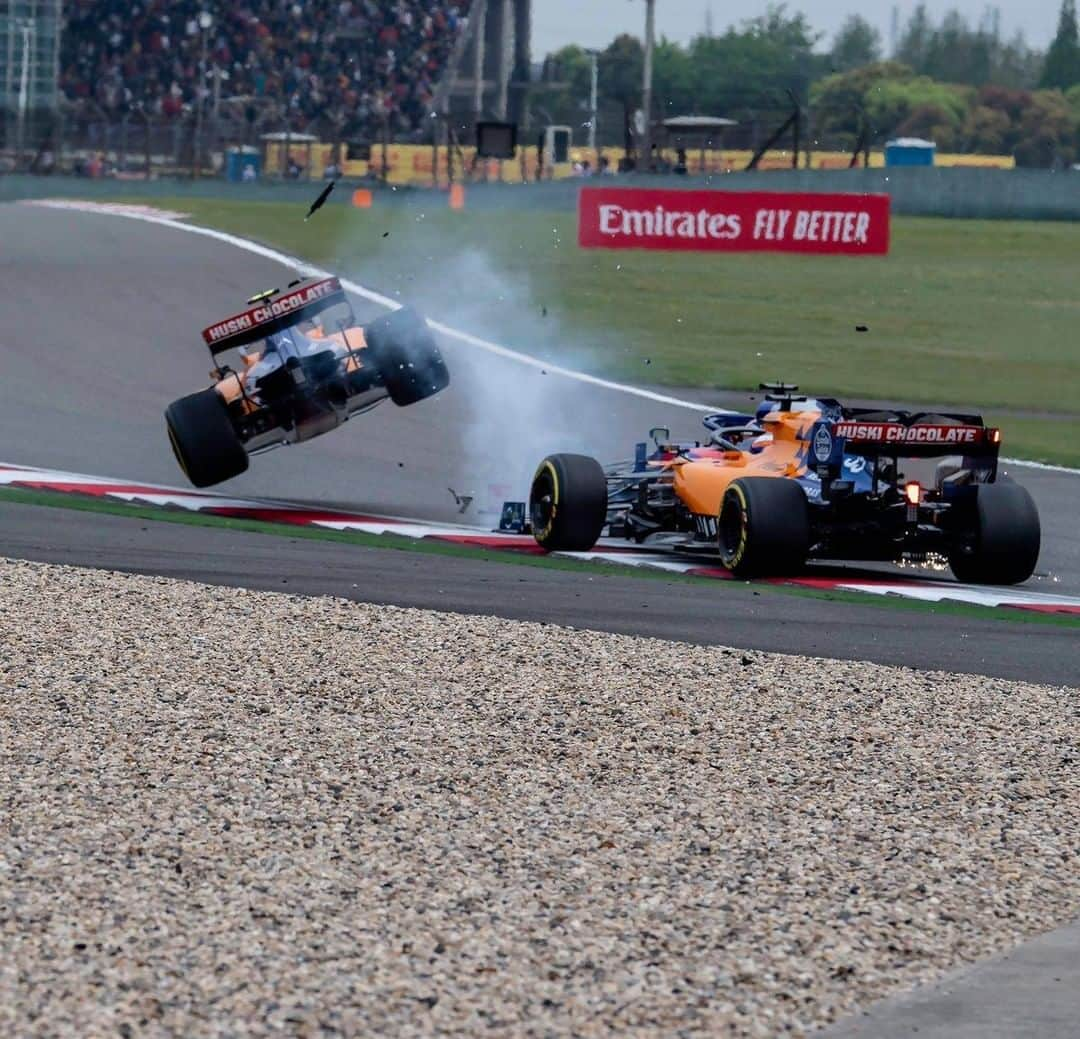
[203, 439]
[1001, 539]
[568, 503]
[407, 357]
[763, 527]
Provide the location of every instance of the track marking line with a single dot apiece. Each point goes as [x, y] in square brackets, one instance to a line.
[311, 271]
[1040, 465]
[165, 218]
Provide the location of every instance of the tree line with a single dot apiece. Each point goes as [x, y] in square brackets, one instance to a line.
[959, 83]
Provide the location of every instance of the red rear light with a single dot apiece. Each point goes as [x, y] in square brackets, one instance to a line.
[913, 492]
[994, 436]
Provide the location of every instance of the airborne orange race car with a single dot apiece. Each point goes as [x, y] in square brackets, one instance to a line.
[803, 478]
[302, 366]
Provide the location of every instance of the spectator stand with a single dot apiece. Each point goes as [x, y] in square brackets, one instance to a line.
[167, 86]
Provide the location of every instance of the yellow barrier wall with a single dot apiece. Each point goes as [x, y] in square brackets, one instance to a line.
[413, 163]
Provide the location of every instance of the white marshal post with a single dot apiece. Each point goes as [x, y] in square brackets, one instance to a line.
[646, 87]
[479, 19]
[594, 78]
[206, 19]
[27, 29]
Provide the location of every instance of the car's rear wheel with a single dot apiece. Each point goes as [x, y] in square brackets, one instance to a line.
[407, 357]
[763, 527]
[203, 439]
[1001, 542]
[568, 503]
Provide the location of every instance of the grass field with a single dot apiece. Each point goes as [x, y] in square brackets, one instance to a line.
[976, 313]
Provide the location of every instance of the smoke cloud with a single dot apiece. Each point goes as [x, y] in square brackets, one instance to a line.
[505, 416]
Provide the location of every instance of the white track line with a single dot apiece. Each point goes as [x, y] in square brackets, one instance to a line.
[309, 270]
[1041, 465]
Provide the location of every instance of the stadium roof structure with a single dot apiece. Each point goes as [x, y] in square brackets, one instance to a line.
[698, 123]
[701, 132]
[292, 138]
[911, 142]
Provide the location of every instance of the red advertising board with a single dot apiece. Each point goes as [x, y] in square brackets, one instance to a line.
[733, 221]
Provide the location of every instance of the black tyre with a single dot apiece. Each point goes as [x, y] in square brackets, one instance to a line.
[1001, 540]
[568, 503]
[203, 439]
[764, 527]
[406, 356]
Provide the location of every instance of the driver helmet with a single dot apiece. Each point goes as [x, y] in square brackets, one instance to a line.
[766, 407]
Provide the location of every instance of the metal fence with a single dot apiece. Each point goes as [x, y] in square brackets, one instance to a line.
[132, 143]
[84, 139]
[71, 138]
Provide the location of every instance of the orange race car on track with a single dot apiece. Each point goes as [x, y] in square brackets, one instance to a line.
[302, 366]
[802, 478]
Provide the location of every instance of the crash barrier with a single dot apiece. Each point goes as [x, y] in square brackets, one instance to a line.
[935, 191]
[733, 221]
[913, 191]
[972, 193]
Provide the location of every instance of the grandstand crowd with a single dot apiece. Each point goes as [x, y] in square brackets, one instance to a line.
[356, 65]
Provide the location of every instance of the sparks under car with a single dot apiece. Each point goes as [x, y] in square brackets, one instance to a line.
[803, 478]
[301, 366]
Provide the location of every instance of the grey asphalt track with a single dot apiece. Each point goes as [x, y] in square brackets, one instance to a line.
[1030, 992]
[733, 614]
[99, 330]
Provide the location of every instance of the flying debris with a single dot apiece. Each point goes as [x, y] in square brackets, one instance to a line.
[463, 501]
[318, 203]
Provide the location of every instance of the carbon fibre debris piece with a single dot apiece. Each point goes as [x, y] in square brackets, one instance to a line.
[320, 201]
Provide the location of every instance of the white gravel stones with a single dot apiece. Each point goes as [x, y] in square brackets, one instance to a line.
[235, 813]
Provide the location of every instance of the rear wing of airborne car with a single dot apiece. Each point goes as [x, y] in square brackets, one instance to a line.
[274, 311]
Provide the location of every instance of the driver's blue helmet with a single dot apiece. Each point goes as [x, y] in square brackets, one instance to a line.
[763, 409]
[288, 341]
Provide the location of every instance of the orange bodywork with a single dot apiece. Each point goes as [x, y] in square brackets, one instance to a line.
[702, 479]
[234, 385]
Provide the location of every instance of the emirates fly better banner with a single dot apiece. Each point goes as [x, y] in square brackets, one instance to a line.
[733, 221]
